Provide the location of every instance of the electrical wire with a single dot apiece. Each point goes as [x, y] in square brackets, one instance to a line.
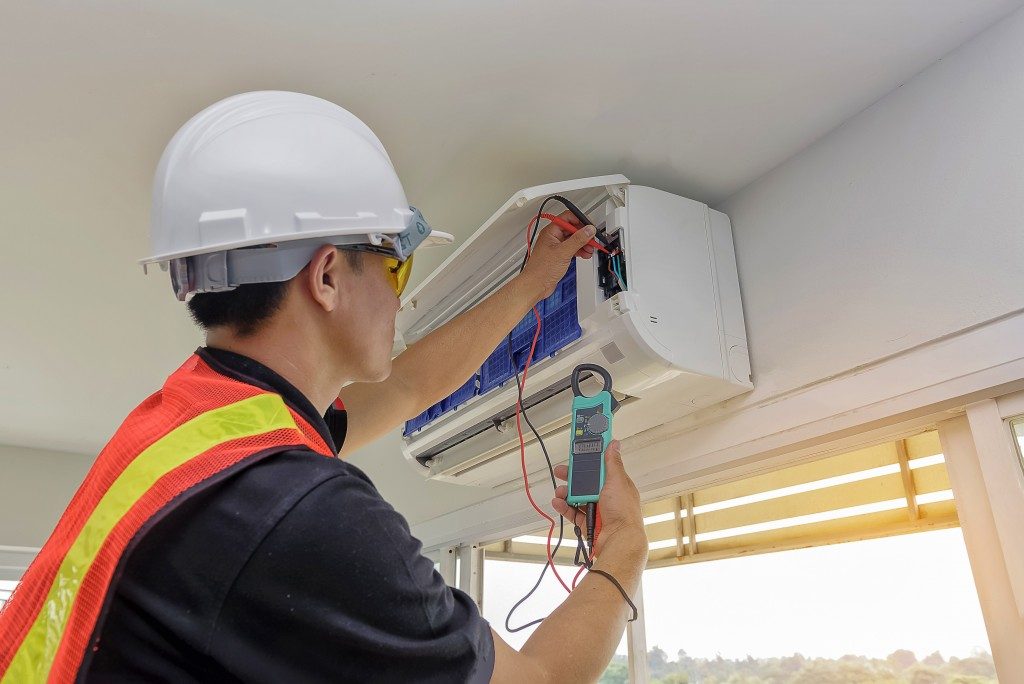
[611, 270]
[586, 562]
[526, 483]
[568, 227]
[619, 272]
[521, 411]
[535, 222]
[522, 453]
[579, 573]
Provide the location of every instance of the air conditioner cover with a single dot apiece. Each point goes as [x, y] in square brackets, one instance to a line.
[673, 341]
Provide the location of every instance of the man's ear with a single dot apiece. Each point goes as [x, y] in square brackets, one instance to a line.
[324, 278]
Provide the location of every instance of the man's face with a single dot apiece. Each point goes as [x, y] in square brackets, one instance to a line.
[370, 325]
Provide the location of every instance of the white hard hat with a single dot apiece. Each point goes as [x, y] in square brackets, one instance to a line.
[279, 174]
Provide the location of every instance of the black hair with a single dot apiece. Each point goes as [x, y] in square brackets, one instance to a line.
[246, 308]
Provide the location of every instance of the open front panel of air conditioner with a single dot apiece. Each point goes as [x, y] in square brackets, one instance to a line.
[664, 317]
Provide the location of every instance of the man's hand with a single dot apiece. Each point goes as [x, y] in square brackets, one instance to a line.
[620, 503]
[596, 602]
[550, 257]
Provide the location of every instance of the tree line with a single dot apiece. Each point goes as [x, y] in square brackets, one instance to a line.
[899, 667]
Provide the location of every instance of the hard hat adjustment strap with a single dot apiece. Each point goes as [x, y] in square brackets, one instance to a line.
[416, 231]
[226, 270]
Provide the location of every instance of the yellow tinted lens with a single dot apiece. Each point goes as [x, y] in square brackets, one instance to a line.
[398, 273]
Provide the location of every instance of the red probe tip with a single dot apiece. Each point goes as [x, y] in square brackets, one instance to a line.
[565, 225]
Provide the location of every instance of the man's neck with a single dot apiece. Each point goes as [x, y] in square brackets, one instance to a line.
[297, 359]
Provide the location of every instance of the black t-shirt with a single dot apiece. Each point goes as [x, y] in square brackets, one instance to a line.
[292, 569]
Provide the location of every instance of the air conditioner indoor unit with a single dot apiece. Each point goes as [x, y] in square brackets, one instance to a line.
[664, 317]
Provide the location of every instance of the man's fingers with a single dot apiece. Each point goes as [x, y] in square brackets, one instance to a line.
[560, 232]
[613, 460]
[561, 491]
[570, 217]
[580, 238]
[571, 514]
[562, 472]
[574, 243]
[566, 217]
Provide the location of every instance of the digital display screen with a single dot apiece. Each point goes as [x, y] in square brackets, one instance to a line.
[587, 447]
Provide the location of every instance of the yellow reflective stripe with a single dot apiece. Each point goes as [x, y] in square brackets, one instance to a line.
[246, 418]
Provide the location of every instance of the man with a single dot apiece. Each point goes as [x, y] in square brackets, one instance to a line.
[218, 537]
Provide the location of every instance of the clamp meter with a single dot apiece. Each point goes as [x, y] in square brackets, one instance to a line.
[591, 432]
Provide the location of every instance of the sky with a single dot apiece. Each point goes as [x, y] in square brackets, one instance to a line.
[865, 598]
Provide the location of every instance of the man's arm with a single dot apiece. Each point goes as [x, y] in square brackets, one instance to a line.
[576, 642]
[441, 362]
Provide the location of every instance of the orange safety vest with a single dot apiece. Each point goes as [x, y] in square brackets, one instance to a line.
[198, 425]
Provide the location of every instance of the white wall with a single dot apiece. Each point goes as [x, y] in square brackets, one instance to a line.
[35, 488]
[903, 225]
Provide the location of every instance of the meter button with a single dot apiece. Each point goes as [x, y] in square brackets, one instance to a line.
[597, 423]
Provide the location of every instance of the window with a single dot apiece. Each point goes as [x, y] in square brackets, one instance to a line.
[874, 496]
[895, 609]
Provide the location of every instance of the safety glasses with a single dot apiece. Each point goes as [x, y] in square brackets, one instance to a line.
[398, 272]
[398, 246]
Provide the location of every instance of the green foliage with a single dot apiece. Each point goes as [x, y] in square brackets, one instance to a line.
[902, 659]
[673, 678]
[899, 667]
[616, 673]
[924, 674]
[978, 665]
[657, 662]
[831, 672]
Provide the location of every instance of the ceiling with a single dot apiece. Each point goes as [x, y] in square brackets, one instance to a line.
[473, 101]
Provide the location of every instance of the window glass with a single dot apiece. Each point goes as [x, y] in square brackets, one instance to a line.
[898, 609]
